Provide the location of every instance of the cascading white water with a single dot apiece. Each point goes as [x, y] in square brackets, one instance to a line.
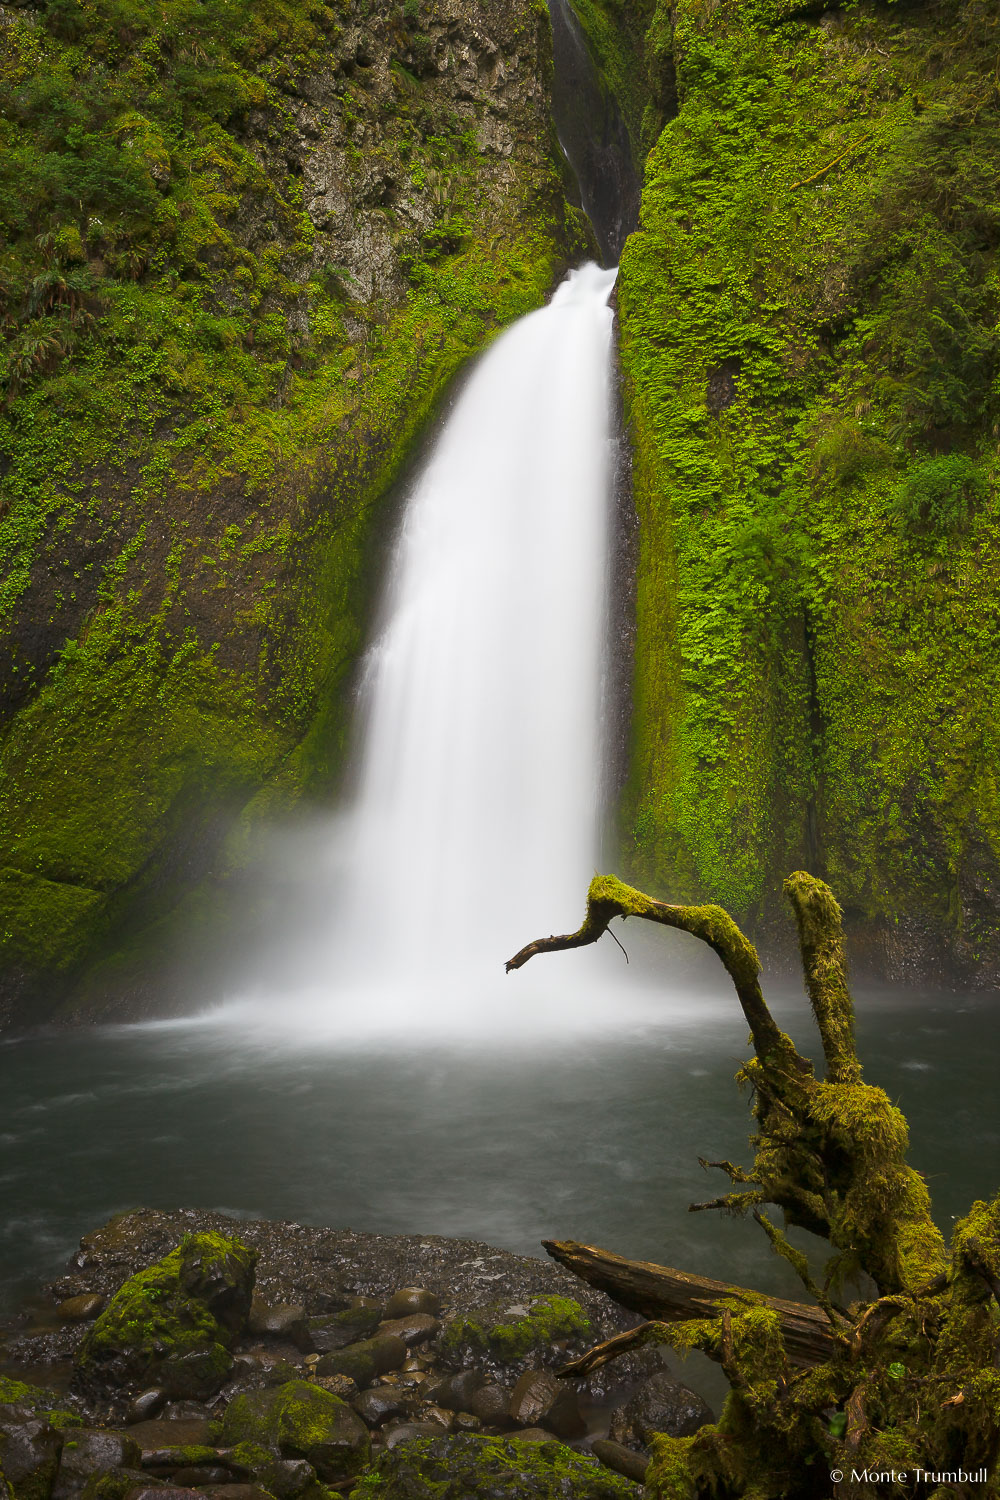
[477, 812]
[475, 823]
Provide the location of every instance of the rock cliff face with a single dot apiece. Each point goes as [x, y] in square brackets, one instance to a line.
[810, 349]
[246, 245]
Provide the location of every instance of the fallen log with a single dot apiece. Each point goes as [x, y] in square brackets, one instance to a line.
[668, 1296]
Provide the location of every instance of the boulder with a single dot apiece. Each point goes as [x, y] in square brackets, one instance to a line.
[661, 1404]
[463, 1467]
[301, 1420]
[171, 1325]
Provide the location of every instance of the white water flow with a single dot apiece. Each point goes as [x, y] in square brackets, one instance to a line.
[476, 820]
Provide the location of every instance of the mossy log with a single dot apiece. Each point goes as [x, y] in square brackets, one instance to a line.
[909, 1379]
[670, 1296]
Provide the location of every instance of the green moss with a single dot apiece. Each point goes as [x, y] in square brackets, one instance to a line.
[808, 318]
[176, 1319]
[509, 1340]
[455, 1468]
[45, 1402]
[300, 1420]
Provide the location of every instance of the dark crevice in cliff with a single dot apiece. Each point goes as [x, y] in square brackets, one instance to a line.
[593, 135]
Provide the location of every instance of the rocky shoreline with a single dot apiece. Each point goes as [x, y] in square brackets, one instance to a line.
[196, 1355]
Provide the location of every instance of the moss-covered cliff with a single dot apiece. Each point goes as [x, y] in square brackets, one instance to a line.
[810, 340]
[246, 243]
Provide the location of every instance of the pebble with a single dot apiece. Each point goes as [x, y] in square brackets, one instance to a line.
[147, 1404]
[81, 1309]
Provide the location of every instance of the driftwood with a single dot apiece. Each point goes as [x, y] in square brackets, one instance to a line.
[670, 1296]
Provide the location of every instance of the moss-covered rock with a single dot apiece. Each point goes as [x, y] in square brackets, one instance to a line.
[300, 1420]
[366, 1359]
[49, 1404]
[173, 1323]
[466, 1468]
[512, 1339]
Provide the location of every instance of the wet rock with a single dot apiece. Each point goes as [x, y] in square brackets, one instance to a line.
[564, 1416]
[622, 1460]
[428, 1412]
[455, 1391]
[533, 1435]
[341, 1329]
[366, 1360]
[382, 1403]
[45, 1403]
[465, 1421]
[233, 1492]
[197, 1474]
[532, 1396]
[302, 1421]
[166, 1460]
[661, 1404]
[461, 1467]
[81, 1309]
[112, 1484]
[280, 1320]
[491, 1404]
[147, 1404]
[89, 1450]
[173, 1322]
[149, 1491]
[287, 1478]
[159, 1435]
[29, 1451]
[415, 1328]
[412, 1299]
[186, 1411]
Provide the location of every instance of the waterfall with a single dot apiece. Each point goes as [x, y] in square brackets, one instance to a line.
[475, 819]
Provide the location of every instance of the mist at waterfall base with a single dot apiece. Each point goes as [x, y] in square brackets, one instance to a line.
[474, 824]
